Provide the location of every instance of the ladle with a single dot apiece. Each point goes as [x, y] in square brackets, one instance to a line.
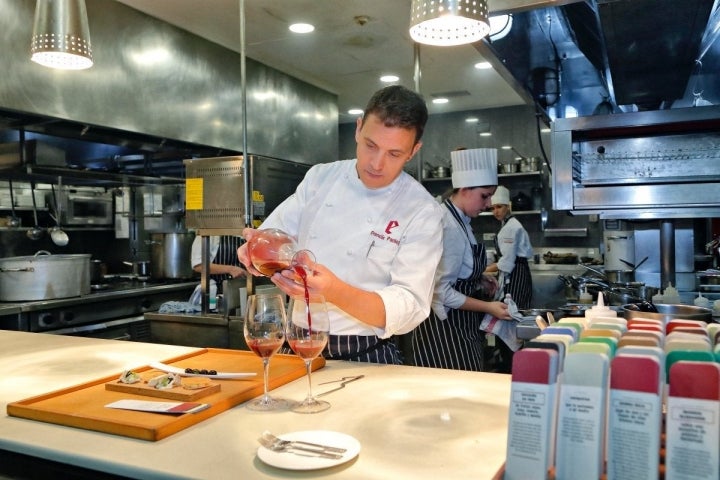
[14, 221]
[35, 233]
[57, 235]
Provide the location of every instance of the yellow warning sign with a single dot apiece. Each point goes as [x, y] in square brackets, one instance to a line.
[193, 194]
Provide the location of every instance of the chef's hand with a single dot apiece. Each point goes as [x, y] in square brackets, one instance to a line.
[236, 271]
[242, 252]
[489, 285]
[320, 281]
[499, 310]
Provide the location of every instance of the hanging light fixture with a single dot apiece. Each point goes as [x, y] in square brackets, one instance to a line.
[61, 37]
[448, 22]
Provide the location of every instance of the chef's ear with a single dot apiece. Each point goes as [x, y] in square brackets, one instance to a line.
[415, 149]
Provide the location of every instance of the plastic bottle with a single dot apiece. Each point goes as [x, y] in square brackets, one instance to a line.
[600, 309]
[671, 295]
[701, 301]
[212, 301]
[585, 297]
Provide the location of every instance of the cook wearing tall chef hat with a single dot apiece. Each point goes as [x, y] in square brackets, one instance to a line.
[513, 248]
[451, 337]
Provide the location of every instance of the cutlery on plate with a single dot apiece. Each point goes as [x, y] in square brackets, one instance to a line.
[296, 449]
[269, 437]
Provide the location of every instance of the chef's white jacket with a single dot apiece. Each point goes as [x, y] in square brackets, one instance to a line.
[385, 240]
[513, 241]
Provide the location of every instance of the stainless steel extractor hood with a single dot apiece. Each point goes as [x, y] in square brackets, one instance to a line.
[611, 56]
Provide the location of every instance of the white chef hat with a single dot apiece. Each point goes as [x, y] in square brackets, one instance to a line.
[475, 167]
[501, 197]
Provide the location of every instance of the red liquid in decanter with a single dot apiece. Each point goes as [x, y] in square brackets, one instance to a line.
[271, 250]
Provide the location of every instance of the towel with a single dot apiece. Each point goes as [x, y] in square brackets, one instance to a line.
[505, 329]
[179, 307]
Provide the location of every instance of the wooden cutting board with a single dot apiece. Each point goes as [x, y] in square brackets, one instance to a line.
[83, 406]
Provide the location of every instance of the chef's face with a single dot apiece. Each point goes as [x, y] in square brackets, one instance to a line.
[500, 211]
[382, 151]
[478, 200]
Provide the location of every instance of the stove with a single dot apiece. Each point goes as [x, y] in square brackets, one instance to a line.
[115, 309]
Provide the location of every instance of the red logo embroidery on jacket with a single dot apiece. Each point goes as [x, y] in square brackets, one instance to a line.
[391, 224]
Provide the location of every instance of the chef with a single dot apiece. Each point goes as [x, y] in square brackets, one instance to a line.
[224, 264]
[374, 230]
[452, 336]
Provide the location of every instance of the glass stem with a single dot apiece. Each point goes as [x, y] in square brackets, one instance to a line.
[308, 366]
[266, 378]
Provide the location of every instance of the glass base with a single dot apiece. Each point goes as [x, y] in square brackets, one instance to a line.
[310, 405]
[268, 403]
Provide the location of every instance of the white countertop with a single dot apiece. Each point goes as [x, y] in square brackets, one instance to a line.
[411, 422]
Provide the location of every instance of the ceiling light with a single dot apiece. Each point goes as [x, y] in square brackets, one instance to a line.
[448, 22]
[544, 130]
[301, 28]
[472, 120]
[506, 147]
[440, 100]
[389, 78]
[485, 134]
[61, 36]
[355, 111]
[500, 26]
[483, 65]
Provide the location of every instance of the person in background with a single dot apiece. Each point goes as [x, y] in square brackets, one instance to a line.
[513, 249]
[452, 337]
[224, 263]
[374, 229]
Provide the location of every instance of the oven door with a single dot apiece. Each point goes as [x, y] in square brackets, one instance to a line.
[135, 329]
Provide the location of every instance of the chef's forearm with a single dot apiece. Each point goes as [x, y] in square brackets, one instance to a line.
[368, 307]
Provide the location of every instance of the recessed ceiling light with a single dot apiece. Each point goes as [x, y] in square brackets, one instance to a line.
[440, 100]
[485, 134]
[301, 28]
[389, 78]
[506, 147]
[544, 130]
[355, 111]
[472, 120]
[483, 65]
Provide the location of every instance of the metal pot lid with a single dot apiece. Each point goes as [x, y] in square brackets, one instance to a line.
[47, 258]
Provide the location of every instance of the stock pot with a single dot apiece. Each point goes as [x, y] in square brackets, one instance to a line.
[44, 277]
[170, 255]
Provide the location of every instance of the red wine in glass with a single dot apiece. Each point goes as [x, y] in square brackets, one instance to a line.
[307, 349]
[265, 347]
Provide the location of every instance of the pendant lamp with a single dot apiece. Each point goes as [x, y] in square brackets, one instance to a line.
[448, 22]
[61, 37]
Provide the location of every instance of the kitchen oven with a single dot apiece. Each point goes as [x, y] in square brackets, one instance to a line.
[653, 164]
[86, 208]
[114, 312]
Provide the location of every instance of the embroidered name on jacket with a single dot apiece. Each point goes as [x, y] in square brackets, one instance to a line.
[386, 238]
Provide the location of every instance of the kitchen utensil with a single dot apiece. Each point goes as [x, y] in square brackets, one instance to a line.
[57, 235]
[343, 381]
[296, 449]
[35, 233]
[306, 462]
[279, 441]
[14, 221]
[141, 268]
[44, 277]
[667, 312]
[98, 270]
[508, 167]
[521, 202]
[170, 255]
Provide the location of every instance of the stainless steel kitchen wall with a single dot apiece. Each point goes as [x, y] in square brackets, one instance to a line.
[152, 78]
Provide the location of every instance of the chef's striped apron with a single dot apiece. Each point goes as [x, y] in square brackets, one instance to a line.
[457, 342]
[518, 283]
[226, 255]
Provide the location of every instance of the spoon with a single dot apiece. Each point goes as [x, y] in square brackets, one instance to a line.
[57, 235]
[35, 233]
[14, 221]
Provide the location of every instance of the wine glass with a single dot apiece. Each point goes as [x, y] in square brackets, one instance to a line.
[264, 331]
[307, 333]
[271, 250]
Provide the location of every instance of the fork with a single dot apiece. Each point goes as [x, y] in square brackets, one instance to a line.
[316, 446]
[296, 449]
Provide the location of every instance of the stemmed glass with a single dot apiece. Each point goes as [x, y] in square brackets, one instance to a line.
[307, 333]
[264, 331]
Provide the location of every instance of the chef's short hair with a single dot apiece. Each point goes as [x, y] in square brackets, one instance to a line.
[397, 106]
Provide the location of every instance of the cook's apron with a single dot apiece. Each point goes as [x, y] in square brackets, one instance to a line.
[517, 283]
[457, 342]
[226, 255]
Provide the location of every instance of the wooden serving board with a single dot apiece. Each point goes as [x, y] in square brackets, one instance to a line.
[83, 406]
[176, 393]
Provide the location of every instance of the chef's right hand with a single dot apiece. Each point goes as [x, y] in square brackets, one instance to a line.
[499, 310]
[242, 252]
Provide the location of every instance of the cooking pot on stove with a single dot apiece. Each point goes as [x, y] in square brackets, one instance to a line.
[140, 268]
[44, 276]
[171, 254]
[98, 270]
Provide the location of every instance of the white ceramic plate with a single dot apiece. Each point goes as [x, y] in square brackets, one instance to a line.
[180, 371]
[291, 461]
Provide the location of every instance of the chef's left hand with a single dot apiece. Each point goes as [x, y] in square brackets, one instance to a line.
[320, 280]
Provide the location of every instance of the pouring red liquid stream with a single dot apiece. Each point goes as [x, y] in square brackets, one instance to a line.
[303, 275]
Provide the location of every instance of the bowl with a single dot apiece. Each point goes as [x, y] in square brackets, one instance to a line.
[667, 312]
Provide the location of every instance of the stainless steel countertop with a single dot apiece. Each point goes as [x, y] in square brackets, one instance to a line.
[122, 290]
